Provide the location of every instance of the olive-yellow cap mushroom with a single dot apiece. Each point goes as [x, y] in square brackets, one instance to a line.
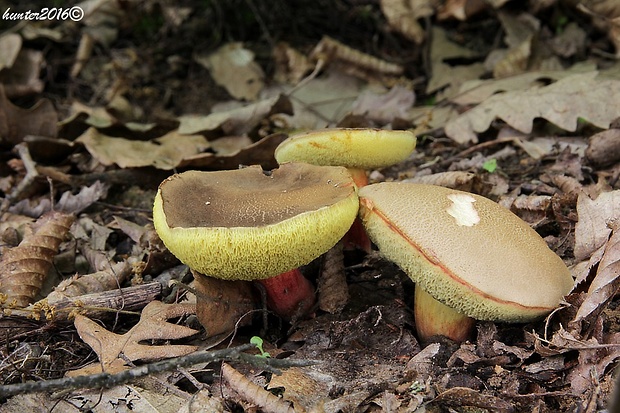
[465, 251]
[245, 224]
[352, 148]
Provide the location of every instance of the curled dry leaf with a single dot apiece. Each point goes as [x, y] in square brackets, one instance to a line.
[604, 148]
[253, 393]
[403, 15]
[605, 284]
[104, 280]
[332, 51]
[463, 396]
[222, 305]
[24, 268]
[114, 349]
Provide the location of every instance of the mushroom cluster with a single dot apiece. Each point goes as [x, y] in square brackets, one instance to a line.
[469, 257]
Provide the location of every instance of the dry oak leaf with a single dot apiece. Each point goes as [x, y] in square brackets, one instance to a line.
[403, 15]
[16, 123]
[591, 230]
[606, 283]
[562, 103]
[114, 349]
[24, 268]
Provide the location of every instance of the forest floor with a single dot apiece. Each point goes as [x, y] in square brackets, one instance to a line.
[101, 101]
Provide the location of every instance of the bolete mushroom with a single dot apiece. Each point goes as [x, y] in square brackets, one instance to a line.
[359, 150]
[469, 257]
[249, 225]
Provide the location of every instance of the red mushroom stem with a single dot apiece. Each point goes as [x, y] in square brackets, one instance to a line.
[289, 294]
[356, 237]
[433, 318]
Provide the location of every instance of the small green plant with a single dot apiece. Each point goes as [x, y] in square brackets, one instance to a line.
[490, 165]
[258, 342]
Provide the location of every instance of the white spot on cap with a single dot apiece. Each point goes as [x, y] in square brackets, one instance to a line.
[462, 209]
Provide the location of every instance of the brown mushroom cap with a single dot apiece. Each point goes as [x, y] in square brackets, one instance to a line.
[465, 250]
[245, 224]
[353, 148]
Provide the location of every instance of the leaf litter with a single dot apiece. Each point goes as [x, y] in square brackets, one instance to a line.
[539, 104]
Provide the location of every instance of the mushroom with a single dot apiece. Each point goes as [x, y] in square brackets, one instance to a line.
[249, 225]
[358, 150]
[469, 257]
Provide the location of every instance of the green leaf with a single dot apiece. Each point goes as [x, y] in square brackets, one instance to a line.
[490, 165]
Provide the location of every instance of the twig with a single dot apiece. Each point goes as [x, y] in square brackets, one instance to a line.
[106, 380]
[31, 174]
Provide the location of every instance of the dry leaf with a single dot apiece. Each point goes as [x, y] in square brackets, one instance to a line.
[114, 349]
[461, 9]
[259, 153]
[605, 284]
[10, 45]
[165, 152]
[223, 305]
[99, 281]
[15, 122]
[562, 103]
[604, 148]
[237, 121]
[352, 61]
[383, 108]
[591, 230]
[403, 15]
[233, 67]
[463, 396]
[23, 78]
[24, 268]
[306, 388]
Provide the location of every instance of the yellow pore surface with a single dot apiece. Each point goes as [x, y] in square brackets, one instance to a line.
[465, 250]
[263, 227]
[352, 148]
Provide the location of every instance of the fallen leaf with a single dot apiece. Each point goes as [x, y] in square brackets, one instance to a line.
[384, 107]
[605, 284]
[591, 230]
[233, 67]
[562, 103]
[115, 349]
[10, 45]
[403, 15]
[16, 123]
[23, 78]
[237, 121]
[165, 152]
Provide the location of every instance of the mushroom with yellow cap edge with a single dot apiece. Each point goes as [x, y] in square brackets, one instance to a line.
[249, 225]
[359, 150]
[469, 257]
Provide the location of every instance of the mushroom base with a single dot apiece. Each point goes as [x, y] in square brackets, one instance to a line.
[289, 294]
[433, 318]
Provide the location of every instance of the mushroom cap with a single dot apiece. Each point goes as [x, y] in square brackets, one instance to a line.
[245, 224]
[465, 250]
[352, 148]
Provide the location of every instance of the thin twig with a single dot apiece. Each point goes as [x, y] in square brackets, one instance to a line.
[31, 174]
[106, 380]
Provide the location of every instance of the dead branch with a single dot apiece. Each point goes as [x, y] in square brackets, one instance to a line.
[106, 380]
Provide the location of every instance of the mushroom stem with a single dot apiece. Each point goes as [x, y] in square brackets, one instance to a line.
[433, 318]
[289, 294]
[356, 237]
